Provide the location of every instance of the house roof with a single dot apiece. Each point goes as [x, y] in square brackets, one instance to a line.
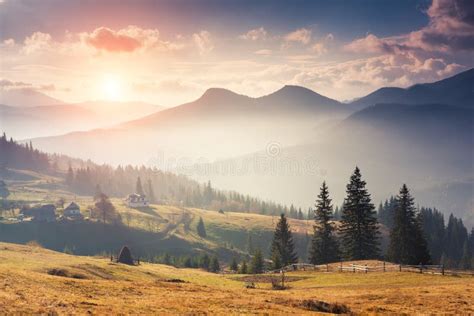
[72, 206]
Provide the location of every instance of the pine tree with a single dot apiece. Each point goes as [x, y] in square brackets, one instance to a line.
[243, 267]
[455, 236]
[139, 187]
[151, 192]
[4, 192]
[233, 265]
[324, 248]
[214, 265]
[205, 262]
[466, 259]
[359, 230]
[421, 245]
[407, 242]
[98, 192]
[250, 247]
[282, 245]
[201, 229]
[276, 260]
[257, 264]
[434, 230]
[70, 176]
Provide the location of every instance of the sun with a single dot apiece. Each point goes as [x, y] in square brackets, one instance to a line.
[112, 87]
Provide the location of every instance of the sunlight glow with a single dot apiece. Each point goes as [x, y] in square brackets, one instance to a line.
[112, 87]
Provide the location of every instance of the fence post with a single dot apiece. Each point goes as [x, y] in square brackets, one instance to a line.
[421, 268]
[400, 266]
[340, 267]
[327, 267]
[353, 269]
[442, 269]
[384, 266]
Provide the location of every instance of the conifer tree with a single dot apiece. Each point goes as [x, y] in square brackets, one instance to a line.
[201, 229]
[4, 192]
[205, 262]
[422, 254]
[243, 267]
[257, 264]
[407, 242]
[282, 245]
[276, 260]
[466, 260]
[150, 192]
[214, 265]
[455, 236]
[324, 248]
[250, 247]
[139, 187]
[70, 176]
[98, 192]
[233, 265]
[359, 230]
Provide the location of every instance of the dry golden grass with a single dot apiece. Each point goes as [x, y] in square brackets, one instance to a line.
[96, 285]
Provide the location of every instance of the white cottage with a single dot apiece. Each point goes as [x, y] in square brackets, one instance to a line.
[136, 200]
[73, 211]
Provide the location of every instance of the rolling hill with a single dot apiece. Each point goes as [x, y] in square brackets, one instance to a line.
[26, 98]
[428, 146]
[456, 90]
[47, 120]
[40, 281]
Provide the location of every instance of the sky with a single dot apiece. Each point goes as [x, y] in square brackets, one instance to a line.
[170, 52]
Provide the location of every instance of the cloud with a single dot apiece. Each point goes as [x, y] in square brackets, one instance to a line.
[129, 39]
[263, 52]
[109, 40]
[375, 72]
[203, 42]
[36, 42]
[302, 36]
[255, 34]
[450, 29]
[6, 84]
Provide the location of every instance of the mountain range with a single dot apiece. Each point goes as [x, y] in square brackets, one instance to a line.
[421, 135]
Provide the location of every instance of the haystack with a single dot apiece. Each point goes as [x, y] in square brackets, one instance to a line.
[125, 256]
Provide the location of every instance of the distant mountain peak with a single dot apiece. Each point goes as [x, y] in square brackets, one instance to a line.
[213, 93]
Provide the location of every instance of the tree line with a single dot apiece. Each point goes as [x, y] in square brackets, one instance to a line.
[83, 177]
[451, 244]
[417, 236]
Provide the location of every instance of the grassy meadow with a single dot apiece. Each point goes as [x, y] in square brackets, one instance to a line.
[36, 280]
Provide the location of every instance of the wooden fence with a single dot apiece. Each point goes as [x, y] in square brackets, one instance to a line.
[384, 267]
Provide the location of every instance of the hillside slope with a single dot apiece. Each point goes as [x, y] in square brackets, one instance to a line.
[35, 280]
[457, 90]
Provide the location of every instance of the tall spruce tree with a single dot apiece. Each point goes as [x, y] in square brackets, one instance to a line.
[407, 242]
[454, 238]
[283, 246]
[257, 265]
[150, 192]
[139, 187]
[359, 229]
[324, 247]
[201, 229]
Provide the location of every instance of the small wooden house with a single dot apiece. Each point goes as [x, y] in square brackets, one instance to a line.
[43, 213]
[73, 211]
[136, 200]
